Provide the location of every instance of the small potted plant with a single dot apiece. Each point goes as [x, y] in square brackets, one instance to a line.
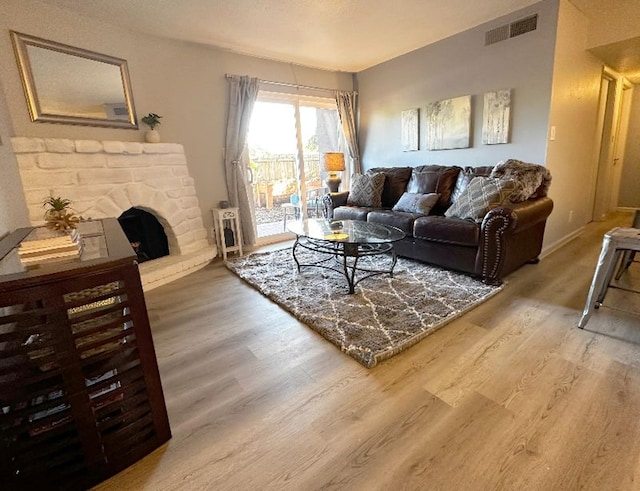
[58, 215]
[152, 120]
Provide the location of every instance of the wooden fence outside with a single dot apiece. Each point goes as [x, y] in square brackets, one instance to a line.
[275, 178]
[283, 167]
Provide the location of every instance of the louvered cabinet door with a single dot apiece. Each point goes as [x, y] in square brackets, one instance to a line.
[80, 393]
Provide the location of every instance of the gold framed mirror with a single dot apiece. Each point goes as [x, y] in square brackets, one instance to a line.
[64, 84]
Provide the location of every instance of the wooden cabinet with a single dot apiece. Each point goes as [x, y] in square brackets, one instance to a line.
[80, 393]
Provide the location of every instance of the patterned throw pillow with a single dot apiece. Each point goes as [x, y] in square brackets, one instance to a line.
[366, 190]
[416, 203]
[481, 195]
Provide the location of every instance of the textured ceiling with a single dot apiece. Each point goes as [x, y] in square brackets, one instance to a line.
[623, 57]
[614, 34]
[341, 35]
[349, 35]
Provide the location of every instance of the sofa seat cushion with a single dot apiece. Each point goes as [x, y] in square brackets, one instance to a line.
[366, 190]
[395, 183]
[403, 221]
[352, 212]
[439, 179]
[447, 230]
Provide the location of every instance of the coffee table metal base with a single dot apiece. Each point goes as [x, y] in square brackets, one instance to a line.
[343, 257]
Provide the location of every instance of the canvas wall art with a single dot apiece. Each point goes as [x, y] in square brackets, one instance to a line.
[495, 118]
[449, 123]
[410, 119]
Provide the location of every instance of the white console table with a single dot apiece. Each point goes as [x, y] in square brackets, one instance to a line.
[232, 217]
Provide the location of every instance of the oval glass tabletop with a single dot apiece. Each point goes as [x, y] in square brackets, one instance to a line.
[349, 231]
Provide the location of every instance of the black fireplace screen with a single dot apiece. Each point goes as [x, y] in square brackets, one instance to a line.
[145, 233]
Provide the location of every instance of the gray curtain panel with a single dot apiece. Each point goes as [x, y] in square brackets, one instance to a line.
[243, 92]
[346, 102]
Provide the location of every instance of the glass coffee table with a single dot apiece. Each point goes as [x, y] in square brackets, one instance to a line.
[341, 244]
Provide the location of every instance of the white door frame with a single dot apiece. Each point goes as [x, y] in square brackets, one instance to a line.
[620, 142]
[296, 101]
[610, 133]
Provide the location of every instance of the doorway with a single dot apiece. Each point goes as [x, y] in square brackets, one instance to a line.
[288, 136]
[613, 119]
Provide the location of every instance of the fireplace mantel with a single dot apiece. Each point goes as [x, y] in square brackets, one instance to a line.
[105, 178]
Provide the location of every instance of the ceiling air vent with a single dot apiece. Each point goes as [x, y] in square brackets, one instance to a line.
[496, 35]
[512, 30]
[523, 26]
[120, 111]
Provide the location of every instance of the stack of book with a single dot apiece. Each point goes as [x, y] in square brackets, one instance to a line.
[44, 245]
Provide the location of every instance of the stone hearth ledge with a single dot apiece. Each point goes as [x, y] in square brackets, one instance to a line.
[105, 178]
[169, 268]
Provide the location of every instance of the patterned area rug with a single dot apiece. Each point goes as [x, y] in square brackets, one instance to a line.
[383, 317]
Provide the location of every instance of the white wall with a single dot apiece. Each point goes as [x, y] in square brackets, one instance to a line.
[630, 181]
[574, 105]
[462, 65]
[555, 82]
[13, 208]
[183, 82]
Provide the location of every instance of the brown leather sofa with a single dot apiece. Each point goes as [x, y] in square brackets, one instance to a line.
[507, 237]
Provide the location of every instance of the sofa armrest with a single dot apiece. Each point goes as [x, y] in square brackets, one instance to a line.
[500, 227]
[520, 216]
[331, 201]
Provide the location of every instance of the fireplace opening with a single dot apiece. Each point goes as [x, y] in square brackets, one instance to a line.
[145, 233]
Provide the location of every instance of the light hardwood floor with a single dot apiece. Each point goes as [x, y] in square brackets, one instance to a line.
[510, 396]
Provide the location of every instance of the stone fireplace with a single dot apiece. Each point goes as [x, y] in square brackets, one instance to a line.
[106, 178]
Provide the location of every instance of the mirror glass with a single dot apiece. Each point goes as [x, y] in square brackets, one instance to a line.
[70, 85]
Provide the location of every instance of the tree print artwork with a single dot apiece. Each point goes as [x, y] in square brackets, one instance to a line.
[449, 123]
[495, 119]
[410, 130]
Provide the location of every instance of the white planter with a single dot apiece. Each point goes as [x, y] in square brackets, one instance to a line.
[152, 136]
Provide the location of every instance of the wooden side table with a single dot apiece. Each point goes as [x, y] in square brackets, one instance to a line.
[232, 216]
[80, 391]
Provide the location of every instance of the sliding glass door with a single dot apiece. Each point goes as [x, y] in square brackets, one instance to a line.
[287, 138]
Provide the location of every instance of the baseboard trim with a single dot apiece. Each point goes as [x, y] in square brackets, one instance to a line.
[560, 243]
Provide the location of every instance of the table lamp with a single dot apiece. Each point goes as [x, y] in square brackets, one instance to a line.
[333, 163]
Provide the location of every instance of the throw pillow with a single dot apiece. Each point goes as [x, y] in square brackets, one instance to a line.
[366, 190]
[532, 180]
[416, 203]
[481, 195]
[464, 178]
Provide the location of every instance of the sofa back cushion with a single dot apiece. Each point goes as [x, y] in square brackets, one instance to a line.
[464, 178]
[366, 190]
[395, 183]
[439, 179]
